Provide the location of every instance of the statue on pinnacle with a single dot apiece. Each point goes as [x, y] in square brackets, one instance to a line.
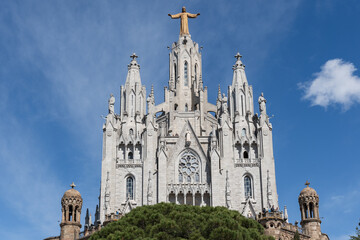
[184, 27]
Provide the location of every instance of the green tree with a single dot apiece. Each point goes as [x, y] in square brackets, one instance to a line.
[170, 221]
[357, 237]
[296, 236]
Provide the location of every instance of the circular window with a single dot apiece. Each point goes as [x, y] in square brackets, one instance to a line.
[189, 165]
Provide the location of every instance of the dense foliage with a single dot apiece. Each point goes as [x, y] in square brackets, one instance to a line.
[170, 221]
[357, 237]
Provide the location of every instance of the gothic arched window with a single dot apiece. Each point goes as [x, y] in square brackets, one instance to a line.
[243, 132]
[197, 177]
[130, 155]
[70, 213]
[131, 131]
[186, 108]
[311, 210]
[247, 187]
[246, 155]
[130, 188]
[189, 167]
[186, 81]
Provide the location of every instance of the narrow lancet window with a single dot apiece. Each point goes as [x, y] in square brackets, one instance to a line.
[197, 177]
[247, 187]
[175, 74]
[243, 132]
[130, 188]
[196, 75]
[186, 80]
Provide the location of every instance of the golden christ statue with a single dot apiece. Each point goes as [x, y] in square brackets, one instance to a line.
[184, 28]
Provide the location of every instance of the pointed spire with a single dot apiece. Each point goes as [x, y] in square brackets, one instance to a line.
[133, 63]
[238, 63]
[239, 77]
[97, 216]
[152, 90]
[286, 217]
[87, 218]
[219, 93]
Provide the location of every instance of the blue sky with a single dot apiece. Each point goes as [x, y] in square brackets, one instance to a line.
[60, 60]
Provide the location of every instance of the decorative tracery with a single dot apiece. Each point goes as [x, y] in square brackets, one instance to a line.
[189, 166]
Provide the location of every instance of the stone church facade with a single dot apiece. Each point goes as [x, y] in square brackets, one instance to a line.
[187, 150]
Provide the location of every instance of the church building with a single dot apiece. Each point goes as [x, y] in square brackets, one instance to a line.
[187, 150]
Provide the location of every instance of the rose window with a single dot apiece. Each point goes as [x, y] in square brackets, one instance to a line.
[189, 167]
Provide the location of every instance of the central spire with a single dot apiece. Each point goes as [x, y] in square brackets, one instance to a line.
[184, 27]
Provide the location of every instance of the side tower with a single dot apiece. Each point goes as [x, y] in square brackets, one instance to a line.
[122, 160]
[309, 208]
[251, 146]
[71, 204]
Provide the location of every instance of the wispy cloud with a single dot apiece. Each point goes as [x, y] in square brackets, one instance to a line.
[335, 84]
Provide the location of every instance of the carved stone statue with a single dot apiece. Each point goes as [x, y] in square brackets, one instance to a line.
[111, 103]
[184, 27]
[224, 104]
[187, 137]
[262, 104]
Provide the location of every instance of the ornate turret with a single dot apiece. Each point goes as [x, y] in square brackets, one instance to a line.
[309, 207]
[133, 94]
[71, 204]
[240, 93]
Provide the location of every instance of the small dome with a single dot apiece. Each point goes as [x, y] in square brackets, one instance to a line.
[72, 192]
[308, 191]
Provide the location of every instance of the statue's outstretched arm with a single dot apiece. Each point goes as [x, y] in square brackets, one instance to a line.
[175, 16]
[191, 15]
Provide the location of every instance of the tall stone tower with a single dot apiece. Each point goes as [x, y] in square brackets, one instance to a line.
[187, 150]
[71, 204]
[309, 208]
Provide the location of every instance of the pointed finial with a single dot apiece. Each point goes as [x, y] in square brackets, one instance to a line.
[238, 56]
[152, 90]
[307, 183]
[219, 92]
[133, 56]
[72, 185]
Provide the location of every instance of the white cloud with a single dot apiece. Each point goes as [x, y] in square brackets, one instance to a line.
[334, 84]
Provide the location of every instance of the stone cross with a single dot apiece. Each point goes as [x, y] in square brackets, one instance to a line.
[133, 56]
[238, 56]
